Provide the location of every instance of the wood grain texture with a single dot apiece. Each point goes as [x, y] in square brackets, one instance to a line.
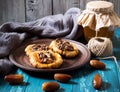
[81, 80]
[37, 9]
[116, 5]
[29, 10]
[12, 10]
[61, 6]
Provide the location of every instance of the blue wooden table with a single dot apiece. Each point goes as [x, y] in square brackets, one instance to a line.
[81, 78]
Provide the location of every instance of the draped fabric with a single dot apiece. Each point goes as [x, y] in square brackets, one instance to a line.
[13, 34]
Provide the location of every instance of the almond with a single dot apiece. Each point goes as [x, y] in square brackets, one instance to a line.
[50, 86]
[62, 77]
[14, 78]
[97, 64]
[97, 81]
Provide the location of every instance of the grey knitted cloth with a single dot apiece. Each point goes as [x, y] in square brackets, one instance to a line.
[13, 34]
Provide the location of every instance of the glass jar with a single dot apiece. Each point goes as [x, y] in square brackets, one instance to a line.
[98, 19]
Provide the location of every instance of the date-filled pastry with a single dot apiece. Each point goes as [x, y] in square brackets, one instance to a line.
[35, 47]
[45, 59]
[64, 48]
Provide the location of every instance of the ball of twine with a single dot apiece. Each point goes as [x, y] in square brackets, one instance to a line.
[100, 46]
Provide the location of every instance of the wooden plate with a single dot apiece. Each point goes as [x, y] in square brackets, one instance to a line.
[19, 58]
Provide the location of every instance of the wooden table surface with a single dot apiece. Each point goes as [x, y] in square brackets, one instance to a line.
[81, 78]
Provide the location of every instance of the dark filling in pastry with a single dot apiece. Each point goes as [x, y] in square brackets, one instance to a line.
[64, 45]
[46, 57]
[39, 47]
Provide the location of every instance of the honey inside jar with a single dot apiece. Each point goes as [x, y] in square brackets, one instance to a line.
[98, 19]
[103, 32]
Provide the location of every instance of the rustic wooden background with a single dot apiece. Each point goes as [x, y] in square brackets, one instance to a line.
[28, 10]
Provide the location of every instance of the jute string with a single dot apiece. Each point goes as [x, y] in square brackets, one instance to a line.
[114, 58]
[102, 48]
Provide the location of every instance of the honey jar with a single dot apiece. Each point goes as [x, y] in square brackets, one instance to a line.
[98, 19]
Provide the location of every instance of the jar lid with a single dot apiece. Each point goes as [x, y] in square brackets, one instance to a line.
[99, 14]
[100, 6]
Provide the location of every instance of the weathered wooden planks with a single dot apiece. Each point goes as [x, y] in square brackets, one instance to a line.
[37, 9]
[12, 10]
[61, 6]
[29, 10]
[116, 5]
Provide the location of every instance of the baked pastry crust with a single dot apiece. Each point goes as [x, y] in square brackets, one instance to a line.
[35, 47]
[64, 48]
[45, 59]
